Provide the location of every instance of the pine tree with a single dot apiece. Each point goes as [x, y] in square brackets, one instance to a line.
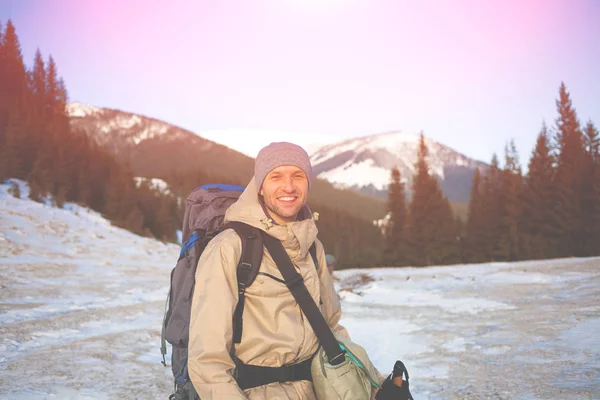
[14, 93]
[120, 196]
[65, 157]
[3, 111]
[13, 80]
[77, 164]
[51, 91]
[35, 191]
[592, 141]
[37, 83]
[446, 238]
[568, 216]
[432, 231]
[591, 192]
[508, 240]
[491, 215]
[83, 193]
[66, 166]
[135, 222]
[42, 173]
[419, 223]
[164, 227]
[60, 198]
[60, 107]
[474, 247]
[11, 161]
[56, 100]
[536, 213]
[395, 235]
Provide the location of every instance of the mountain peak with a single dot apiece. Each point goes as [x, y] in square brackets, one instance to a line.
[364, 163]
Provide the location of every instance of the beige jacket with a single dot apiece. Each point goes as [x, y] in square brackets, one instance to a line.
[275, 332]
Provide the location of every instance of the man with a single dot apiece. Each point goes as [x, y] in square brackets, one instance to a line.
[275, 333]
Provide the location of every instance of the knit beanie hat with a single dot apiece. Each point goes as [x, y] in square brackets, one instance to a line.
[278, 154]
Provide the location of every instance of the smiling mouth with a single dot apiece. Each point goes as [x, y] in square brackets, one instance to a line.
[287, 199]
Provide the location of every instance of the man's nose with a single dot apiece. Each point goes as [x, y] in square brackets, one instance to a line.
[288, 184]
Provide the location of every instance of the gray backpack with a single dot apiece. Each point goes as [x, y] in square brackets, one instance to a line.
[203, 219]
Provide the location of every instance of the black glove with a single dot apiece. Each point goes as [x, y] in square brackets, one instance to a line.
[389, 391]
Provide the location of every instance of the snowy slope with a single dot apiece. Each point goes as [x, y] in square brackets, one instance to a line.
[366, 162]
[119, 128]
[82, 301]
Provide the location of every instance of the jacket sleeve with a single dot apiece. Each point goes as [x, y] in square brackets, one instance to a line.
[211, 328]
[332, 309]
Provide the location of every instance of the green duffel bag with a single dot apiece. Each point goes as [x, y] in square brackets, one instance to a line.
[354, 379]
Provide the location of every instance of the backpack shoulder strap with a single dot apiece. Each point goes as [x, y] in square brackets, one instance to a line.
[295, 283]
[247, 268]
[313, 254]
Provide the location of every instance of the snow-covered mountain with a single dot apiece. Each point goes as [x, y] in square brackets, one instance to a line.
[364, 163]
[121, 130]
[156, 148]
[82, 301]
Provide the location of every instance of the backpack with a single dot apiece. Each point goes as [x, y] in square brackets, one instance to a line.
[203, 219]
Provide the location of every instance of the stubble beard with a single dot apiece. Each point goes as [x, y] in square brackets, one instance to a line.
[284, 213]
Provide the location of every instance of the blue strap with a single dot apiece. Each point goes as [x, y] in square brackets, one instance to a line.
[223, 186]
[189, 244]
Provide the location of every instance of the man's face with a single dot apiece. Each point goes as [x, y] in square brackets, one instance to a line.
[285, 190]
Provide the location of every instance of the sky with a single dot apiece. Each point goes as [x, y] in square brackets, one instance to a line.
[470, 74]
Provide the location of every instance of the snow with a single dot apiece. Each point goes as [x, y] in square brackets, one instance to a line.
[155, 184]
[386, 150]
[126, 121]
[360, 174]
[76, 109]
[81, 305]
[154, 129]
[132, 127]
[394, 141]
[578, 337]
[397, 139]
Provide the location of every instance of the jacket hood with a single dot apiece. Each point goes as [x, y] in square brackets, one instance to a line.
[296, 236]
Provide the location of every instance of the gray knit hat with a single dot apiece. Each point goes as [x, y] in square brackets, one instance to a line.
[278, 154]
